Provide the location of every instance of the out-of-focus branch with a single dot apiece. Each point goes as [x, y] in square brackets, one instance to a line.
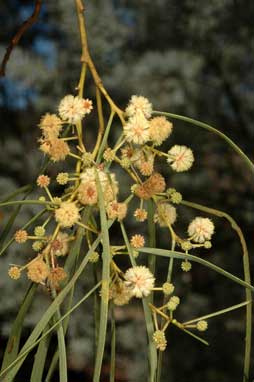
[15, 40]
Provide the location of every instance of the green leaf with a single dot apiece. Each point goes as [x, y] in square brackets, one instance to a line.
[12, 347]
[10, 374]
[40, 358]
[24, 353]
[181, 255]
[106, 258]
[147, 313]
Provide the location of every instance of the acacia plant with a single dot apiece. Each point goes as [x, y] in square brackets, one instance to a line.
[73, 227]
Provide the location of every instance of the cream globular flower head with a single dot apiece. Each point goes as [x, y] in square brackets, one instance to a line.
[21, 236]
[202, 325]
[73, 109]
[139, 104]
[137, 241]
[165, 214]
[159, 340]
[201, 229]
[43, 181]
[180, 158]
[58, 150]
[56, 275]
[139, 280]
[14, 273]
[120, 293]
[140, 214]
[108, 182]
[136, 130]
[37, 271]
[62, 178]
[51, 125]
[116, 210]
[87, 193]
[159, 129]
[60, 246]
[67, 214]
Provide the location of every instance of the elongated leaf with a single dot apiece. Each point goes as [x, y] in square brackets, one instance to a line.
[181, 255]
[10, 374]
[40, 358]
[113, 348]
[219, 312]
[106, 258]
[147, 313]
[12, 347]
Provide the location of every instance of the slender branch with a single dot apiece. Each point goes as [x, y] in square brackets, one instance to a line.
[15, 40]
[86, 58]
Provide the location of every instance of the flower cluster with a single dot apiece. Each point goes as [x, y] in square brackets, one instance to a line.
[76, 201]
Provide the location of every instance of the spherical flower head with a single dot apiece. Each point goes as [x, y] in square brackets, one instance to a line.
[120, 293]
[51, 125]
[165, 215]
[21, 236]
[109, 155]
[140, 214]
[137, 241]
[159, 129]
[108, 182]
[136, 130]
[14, 273]
[56, 275]
[180, 158]
[173, 303]
[201, 229]
[207, 244]
[125, 163]
[159, 340]
[94, 257]
[39, 231]
[87, 159]
[167, 288]
[139, 280]
[71, 109]
[153, 185]
[37, 246]
[116, 210]
[87, 105]
[60, 246]
[87, 193]
[139, 104]
[59, 149]
[43, 181]
[37, 271]
[202, 325]
[144, 162]
[67, 214]
[186, 266]
[62, 178]
[186, 245]
[176, 198]
[146, 168]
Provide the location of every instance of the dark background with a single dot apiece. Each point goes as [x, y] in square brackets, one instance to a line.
[190, 57]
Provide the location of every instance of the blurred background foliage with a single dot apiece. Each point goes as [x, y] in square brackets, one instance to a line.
[190, 57]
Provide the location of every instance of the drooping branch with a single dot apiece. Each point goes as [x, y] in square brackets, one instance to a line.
[15, 40]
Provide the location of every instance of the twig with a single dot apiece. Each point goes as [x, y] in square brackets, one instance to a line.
[15, 40]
